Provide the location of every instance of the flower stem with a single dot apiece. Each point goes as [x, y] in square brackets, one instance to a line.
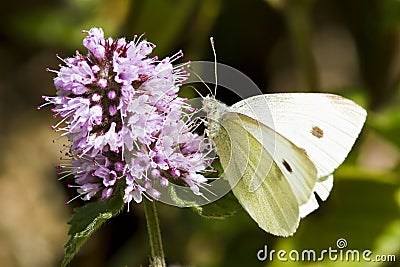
[153, 228]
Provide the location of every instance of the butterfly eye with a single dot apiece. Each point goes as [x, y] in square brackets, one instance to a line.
[317, 132]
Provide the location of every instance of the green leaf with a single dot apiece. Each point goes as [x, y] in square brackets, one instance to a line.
[220, 209]
[87, 220]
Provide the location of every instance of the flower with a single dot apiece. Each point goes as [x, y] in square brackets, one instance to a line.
[126, 124]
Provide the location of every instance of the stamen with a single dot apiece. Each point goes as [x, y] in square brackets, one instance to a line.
[176, 56]
[72, 199]
[64, 176]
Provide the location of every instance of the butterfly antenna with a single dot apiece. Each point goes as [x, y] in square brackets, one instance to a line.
[215, 65]
[197, 91]
[201, 79]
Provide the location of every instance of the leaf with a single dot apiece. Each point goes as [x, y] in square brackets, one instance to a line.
[220, 209]
[87, 220]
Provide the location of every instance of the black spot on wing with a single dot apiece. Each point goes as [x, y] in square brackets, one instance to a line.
[317, 132]
[287, 166]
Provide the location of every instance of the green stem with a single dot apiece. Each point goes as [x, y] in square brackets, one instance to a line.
[153, 228]
[299, 27]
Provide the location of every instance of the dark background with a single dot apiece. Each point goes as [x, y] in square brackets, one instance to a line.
[338, 46]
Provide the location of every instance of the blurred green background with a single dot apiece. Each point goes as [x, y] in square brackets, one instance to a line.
[338, 46]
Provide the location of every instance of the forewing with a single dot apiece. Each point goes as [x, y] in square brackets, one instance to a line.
[273, 205]
[324, 125]
[297, 168]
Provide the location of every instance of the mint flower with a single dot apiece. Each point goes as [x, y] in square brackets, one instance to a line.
[120, 111]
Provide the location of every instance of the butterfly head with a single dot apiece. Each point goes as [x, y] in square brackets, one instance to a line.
[213, 107]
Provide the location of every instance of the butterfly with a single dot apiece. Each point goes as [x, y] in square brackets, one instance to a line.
[278, 150]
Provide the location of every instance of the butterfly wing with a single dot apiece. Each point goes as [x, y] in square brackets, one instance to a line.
[260, 176]
[325, 126]
[323, 188]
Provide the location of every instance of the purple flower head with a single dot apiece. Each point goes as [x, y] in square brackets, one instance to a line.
[120, 111]
[95, 42]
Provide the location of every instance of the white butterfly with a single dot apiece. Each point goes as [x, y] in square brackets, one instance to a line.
[278, 149]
